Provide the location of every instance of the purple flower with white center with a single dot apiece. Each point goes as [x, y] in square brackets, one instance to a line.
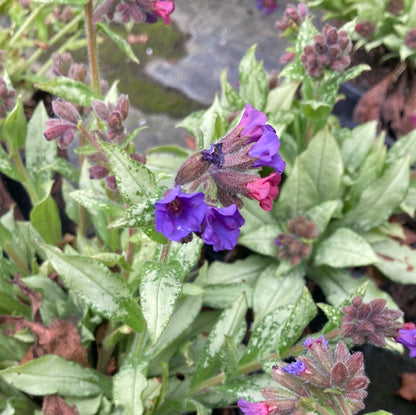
[222, 227]
[253, 122]
[310, 341]
[214, 155]
[266, 150]
[179, 214]
[295, 368]
[407, 337]
[252, 408]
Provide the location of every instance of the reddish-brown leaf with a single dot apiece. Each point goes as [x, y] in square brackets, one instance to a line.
[35, 297]
[55, 405]
[408, 389]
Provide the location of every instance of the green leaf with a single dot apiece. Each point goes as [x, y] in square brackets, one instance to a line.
[253, 80]
[40, 153]
[66, 169]
[51, 374]
[45, 219]
[281, 98]
[187, 309]
[403, 147]
[303, 312]
[231, 323]
[381, 412]
[222, 295]
[8, 168]
[72, 91]
[261, 240]
[160, 289]
[355, 148]
[95, 201]
[379, 200]
[230, 99]
[396, 261]
[105, 292]
[344, 248]
[128, 386]
[15, 128]
[321, 214]
[315, 110]
[322, 162]
[121, 43]
[134, 180]
[298, 194]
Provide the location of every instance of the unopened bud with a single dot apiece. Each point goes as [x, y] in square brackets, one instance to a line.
[193, 168]
[66, 111]
[101, 109]
[78, 72]
[123, 105]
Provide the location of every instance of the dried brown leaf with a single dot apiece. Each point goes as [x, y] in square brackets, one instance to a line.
[55, 405]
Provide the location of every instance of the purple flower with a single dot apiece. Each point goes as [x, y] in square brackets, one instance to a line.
[252, 408]
[222, 227]
[268, 5]
[179, 214]
[407, 337]
[266, 150]
[310, 341]
[214, 155]
[295, 368]
[252, 122]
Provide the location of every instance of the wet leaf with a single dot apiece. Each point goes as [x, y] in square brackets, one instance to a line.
[160, 288]
[15, 128]
[105, 292]
[52, 374]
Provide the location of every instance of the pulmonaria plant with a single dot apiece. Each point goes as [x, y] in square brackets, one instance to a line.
[268, 6]
[7, 98]
[323, 382]
[226, 172]
[292, 19]
[330, 49]
[407, 337]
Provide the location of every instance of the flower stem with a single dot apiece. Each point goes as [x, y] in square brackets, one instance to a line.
[26, 24]
[92, 46]
[165, 252]
[27, 181]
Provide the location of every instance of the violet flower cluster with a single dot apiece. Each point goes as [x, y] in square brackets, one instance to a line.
[137, 11]
[226, 172]
[331, 382]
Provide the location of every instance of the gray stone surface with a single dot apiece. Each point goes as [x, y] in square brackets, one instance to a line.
[220, 33]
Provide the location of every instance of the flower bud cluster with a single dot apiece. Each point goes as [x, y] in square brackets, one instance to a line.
[138, 11]
[293, 18]
[330, 49]
[63, 65]
[267, 5]
[295, 245]
[63, 127]
[330, 380]
[365, 29]
[371, 322]
[7, 98]
[113, 115]
[228, 171]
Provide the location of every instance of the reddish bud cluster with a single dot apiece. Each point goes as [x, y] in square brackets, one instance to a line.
[365, 29]
[293, 17]
[295, 244]
[371, 322]
[330, 50]
[63, 65]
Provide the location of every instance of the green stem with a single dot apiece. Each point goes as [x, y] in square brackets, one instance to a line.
[92, 46]
[106, 350]
[26, 24]
[34, 57]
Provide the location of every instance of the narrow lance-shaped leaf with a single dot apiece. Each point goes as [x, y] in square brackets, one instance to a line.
[230, 323]
[51, 374]
[103, 291]
[72, 91]
[160, 288]
[128, 386]
[134, 180]
[121, 43]
[15, 128]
